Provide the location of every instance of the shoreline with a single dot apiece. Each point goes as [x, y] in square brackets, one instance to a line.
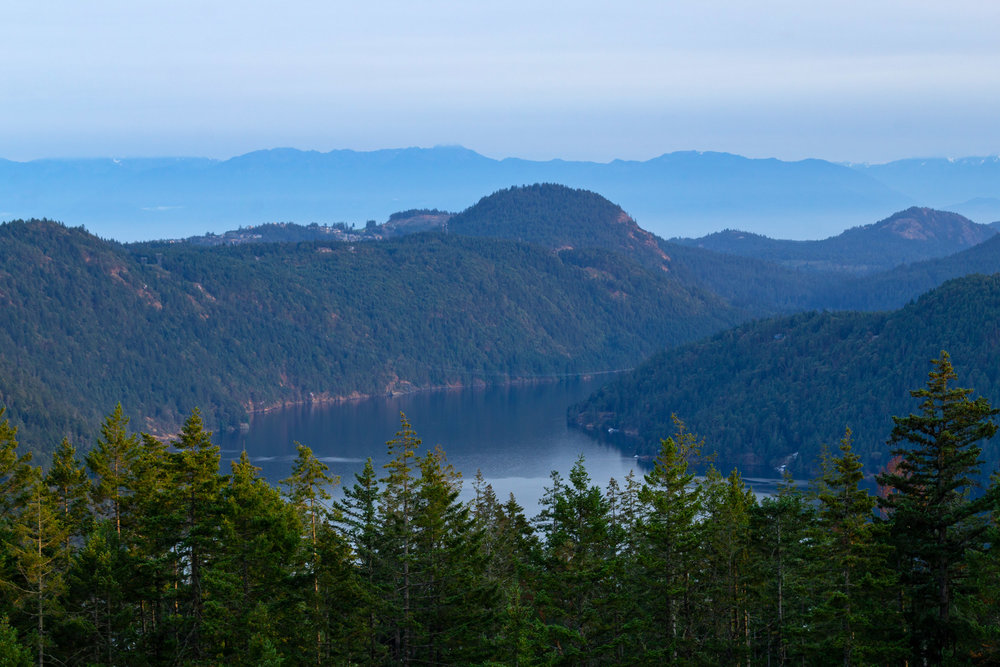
[406, 388]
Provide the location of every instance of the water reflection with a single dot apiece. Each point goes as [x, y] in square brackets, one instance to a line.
[516, 435]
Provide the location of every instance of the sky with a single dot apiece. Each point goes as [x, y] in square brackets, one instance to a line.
[852, 80]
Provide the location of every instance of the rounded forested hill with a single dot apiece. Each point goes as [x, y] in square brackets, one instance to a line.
[559, 217]
[772, 392]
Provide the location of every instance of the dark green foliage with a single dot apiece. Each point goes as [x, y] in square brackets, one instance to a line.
[669, 547]
[934, 521]
[214, 569]
[767, 393]
[851, 574]
[723, 593]
[15, 470]
[783, 586]
[576, 577]
[308, 490]
[12, 652]
[560, 218]
[163, 327]
[99, 614]
[359, 518]
[250, 589]
[111, 462]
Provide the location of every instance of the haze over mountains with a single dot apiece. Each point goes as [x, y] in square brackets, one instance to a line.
[685, 194]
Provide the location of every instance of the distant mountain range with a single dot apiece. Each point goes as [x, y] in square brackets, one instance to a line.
[970, 186]
[685, 194]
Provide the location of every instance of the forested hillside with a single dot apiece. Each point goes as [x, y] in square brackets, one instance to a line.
[907, 236]
[560, 218]
[891, 289]
[772, 392]
[167, 327]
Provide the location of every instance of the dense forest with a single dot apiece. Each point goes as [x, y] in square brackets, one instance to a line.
[144, 554]
[529, 284]
[165, 327]
[770, 392]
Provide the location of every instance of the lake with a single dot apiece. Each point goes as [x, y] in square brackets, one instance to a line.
[515, 435]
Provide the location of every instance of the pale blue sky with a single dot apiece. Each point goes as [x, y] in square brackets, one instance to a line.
[847, 80]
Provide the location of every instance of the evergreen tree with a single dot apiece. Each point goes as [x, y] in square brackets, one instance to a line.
[15, 470]
[197, 517]
[577, 563]
[516, 549]
[16, 475]
[12, 652]
[781, 534]
[397, 506]
[673, 502]
[111, 462]
[359, 519]
[307, 489]
[853, 618]
[935, 522]
[38, 551]
[69, 487]
[100, 616]
[249, 584]
[455, 599]
[624, 604]
[154, 512]
[726, 573]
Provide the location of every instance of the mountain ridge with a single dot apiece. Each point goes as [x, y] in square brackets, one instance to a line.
[911, 235]
[139, 199]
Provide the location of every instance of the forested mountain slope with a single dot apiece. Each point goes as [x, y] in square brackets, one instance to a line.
[773, 391]
[892, 289]
[907, 236]
[560, 218]
[167, 327]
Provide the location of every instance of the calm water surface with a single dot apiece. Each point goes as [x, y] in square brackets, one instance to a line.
[515, 435]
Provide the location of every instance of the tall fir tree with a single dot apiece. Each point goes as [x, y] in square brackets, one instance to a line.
[308, 490]
[15, 470]
[726, 572]
[196, 485]
[111, 462]
[577, 564]
[853, 619]
[249, 583]
[39, 553]
[359, 519]
[397, 506]
[669, 548]
[781, 535]
[935, 521]
[456, 600]
[69, 487]
[100, 614]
